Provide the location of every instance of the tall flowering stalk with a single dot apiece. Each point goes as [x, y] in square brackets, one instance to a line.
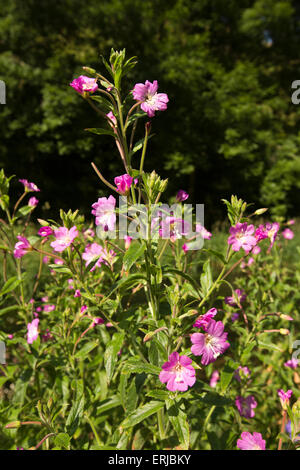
[128, 341]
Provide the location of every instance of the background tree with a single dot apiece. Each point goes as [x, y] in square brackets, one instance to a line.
[226, 66]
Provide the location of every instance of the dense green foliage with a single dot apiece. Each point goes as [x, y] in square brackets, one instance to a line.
[227, 67]
[109, 341]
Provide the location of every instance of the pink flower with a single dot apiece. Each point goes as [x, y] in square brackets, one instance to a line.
[291, 222]
[242, 373]
[255, 250]
[178, 373]
[77, 293]
[104, 210]
[241, 237]
[238, 298]
[48, 308]
[97, 321]
[32, 331]
[292, 363]
[64, 238]
[284, 397]
[181, 196]
[92, 253]
[21, 247]
[45, 299]
[210, 345]
[128, 241]
[70, 284]
[58, 261]
[269, 231]
[33, 202]
[151, 100]
[261, 233]
[250, 441]
[29, 186]
[45, 231]
[173, 228]
[234, 317]
[272, 230]
[185, 247]
[89, 233]
[288, 234]
[250, 261]
[123, 183]
[83, 309]
[215, 376]
[84, 84]
[112, 118]
[205, 234]
[47, 336]
[96, 252]
[203, 320]
[246, 406]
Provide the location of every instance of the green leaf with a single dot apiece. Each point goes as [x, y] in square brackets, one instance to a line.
[24, 211]
[134, 252]
[142, 413]
[179, 421]
[94, 130]
[167, 270]
[218, 255]
[227, 374]
[159, 394]
[139, 144]
[111, 352]
[108, 405]
[62, 440]
[8, 309]
[135, 364]
[212, 398]
[128, 282]
[60, 269]
[88, 347]
[77, 409]
[10, 285]
[206, 277]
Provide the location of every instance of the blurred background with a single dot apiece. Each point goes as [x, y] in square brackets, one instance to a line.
[226, 65]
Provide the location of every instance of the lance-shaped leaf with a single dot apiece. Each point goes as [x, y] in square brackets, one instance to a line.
[142, 413]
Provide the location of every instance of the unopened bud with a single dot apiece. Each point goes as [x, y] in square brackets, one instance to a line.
[89, 70]
[286, 317]
[163, 185]
[284, 331]
[152, 333]
[13, 425]
[261, 211]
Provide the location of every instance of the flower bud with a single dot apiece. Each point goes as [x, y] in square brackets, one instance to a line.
[261, 211]
[89, 70]
[286, 317]
[284, 331]
[13, 425]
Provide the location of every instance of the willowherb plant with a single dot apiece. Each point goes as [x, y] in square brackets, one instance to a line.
[120, 341]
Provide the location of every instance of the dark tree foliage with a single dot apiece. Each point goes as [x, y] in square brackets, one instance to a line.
[227, 67]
